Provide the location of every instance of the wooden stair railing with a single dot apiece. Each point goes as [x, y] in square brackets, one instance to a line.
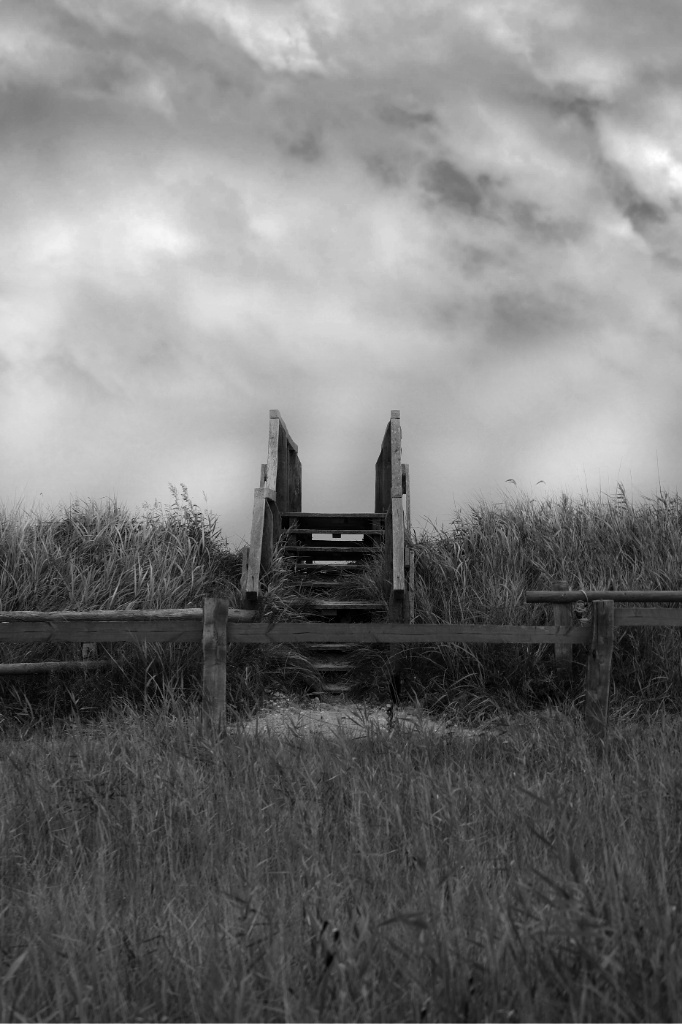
[280, 490]
[324, 549]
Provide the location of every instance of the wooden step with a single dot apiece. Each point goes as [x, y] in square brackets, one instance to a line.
[334, 522]
[329, 552]
[307, 535]
[342, 648]
[333, 605]
[331, 688]
[331, 666]
[329, 571]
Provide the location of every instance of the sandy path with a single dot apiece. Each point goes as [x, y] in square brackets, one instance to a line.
[344, 719]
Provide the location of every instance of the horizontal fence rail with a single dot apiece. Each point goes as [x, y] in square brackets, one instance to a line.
[215, 625]
[32, 668]
[401, 633]
[574, 596]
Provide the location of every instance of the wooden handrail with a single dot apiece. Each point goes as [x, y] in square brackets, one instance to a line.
[390, 485]
[573, 596]
[279, 491]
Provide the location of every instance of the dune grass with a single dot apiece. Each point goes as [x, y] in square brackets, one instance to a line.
[153, 870]
[150, 871]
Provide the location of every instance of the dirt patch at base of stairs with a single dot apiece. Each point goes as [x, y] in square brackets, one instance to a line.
[346, 719]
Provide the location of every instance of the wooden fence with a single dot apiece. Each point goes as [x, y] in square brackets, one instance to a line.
[216, 625]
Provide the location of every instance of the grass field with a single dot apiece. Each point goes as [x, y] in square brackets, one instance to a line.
[150, 870]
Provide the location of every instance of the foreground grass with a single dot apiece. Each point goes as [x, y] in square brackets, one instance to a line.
[149, 872]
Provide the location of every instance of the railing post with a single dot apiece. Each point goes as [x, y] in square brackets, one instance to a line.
[563, 653]
[598, 678]
[214, 643]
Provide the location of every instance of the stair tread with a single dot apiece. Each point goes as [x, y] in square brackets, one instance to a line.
[327, 570]
[332, 604]
[334, 522]
[360, 532]
[332, 666]
[334, 546]
[331, 647]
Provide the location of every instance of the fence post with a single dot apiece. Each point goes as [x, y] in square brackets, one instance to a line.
[563, 653]
[215, 652]
[598, 678]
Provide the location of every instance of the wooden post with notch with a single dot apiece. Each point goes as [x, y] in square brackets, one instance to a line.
[214, 641]
[598, 678]
[563, 653]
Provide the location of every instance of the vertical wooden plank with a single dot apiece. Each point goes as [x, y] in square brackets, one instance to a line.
[410, 590]
[245, 569]
[294, 498]
[598, 677]
[273, 450]
[282, 489]
[255, 549]
[397, 544]
[214, 643]
[563, 653]
[408, 503]
[382, 474]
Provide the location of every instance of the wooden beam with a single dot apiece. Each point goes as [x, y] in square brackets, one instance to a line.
[261, 496]
[570, 596]
[214, 643]
[598, 677]
[563, 653]
[123, 626]
[401, 633]
[648, 617]
[30, 668]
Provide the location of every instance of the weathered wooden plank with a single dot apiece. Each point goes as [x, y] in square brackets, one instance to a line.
[275, 414]
[282, 488]
[570, 596]
[397, 545]
[648, 617]
[214, 643]
[335, 522]
[295, 482]
[122, 614]
[563, 653]
[261, 496]
[401, 633]
[382, 473]
[410, 589]
[106, 614]
[102, 631]
[598, 677]
[31, 668]
[131, 626]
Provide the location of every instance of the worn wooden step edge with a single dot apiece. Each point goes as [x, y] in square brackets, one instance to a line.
[331, 666]
[322, 551]
[361, 533]
[327, 569]
[331, 688]
[349, 517]
[332, 647]
[328, 604]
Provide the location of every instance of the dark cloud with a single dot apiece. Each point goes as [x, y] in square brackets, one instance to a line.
[467, 211]
[451, 187]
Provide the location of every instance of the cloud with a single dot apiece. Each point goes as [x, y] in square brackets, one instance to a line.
[470, 212]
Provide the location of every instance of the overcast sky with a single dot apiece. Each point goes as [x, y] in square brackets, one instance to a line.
[470, 211]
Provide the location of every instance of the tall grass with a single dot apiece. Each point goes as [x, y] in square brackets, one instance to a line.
[478, 569]
[98, 556]
[152, 871]
[149, 872]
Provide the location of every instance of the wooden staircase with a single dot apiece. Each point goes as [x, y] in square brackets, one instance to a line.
[325, 549]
